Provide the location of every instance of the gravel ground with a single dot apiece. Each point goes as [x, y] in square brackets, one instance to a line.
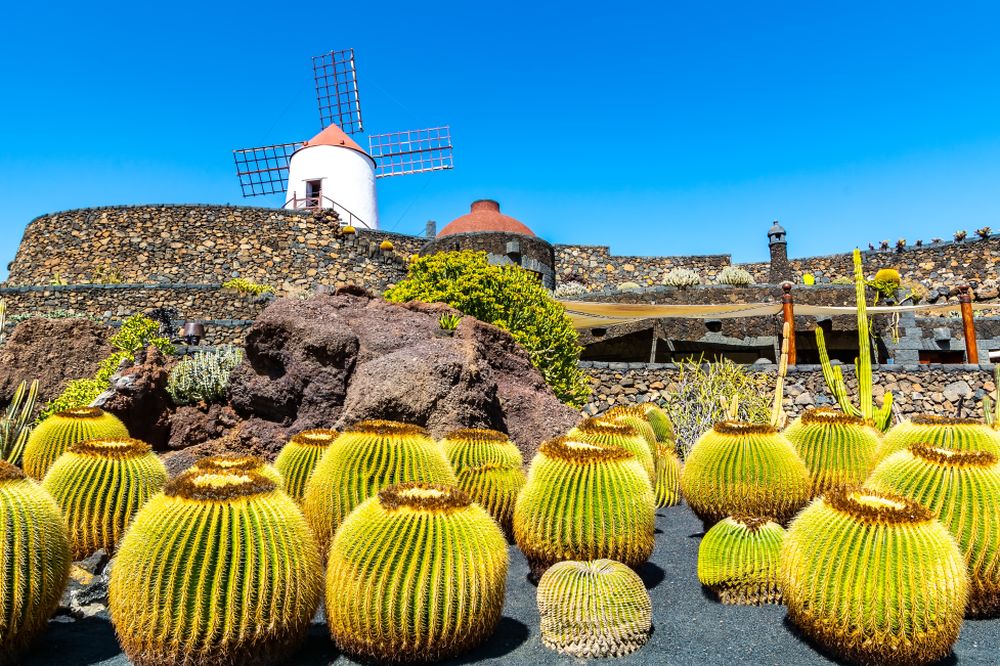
[690, 627]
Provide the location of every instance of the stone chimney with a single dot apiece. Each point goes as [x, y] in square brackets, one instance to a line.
[431, 230]
[780, 268]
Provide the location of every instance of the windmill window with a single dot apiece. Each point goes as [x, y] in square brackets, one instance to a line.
[314, 189]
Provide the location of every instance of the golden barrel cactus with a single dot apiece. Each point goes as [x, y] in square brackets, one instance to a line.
[838, 450]
[100, 484]
[219, 568]
[473, 447]
[744, 469]
[584, 501]
[34, 561]
[369, 456]
[53, 436]
[874, 578]
[660, 422]
[489, 469]
[236, 463]
[961, 488]
[594, 609]
[616, 434]
[950, 433]
[299, 457]
[416, 573]
[635, 416]
[738, 560]
[667, 486]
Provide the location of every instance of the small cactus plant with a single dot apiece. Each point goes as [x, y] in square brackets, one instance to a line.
[203, 377]
[54, 435]
[660, 422]
[594, 609]
[681, 277]
[744, 469]
[299, 457]
[100, 484]
[738, 560]
[950, 433]
[488, 466]
[583, 501]
[34, 561]
[220, 568]
[960, 235]
[634, 416]
[984, 232]
[667, 465]
[874, 578]
[667, 486]
[235, 463]
[735, 276]
[415, 573]
[838, 450]
[386, 246]
[619, 434]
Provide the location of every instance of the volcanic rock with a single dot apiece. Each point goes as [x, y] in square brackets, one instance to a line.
[139, 398]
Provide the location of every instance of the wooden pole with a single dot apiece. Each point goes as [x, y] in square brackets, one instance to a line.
[788, 311]
[652, 348]
[969, 326]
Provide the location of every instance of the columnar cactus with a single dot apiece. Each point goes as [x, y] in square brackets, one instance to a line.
[34, 561]
[299, 457]
[53, 436]
[617, 434]
[369, 456]
[584, 501]
[100, 484]
[874, 578]
[220, 568]
[488, 466]
[950, 433]
[744, 469]
[838, 450]
[236, 463]
[416, 573]
[738, 560]
[594, 609]
[961, 488]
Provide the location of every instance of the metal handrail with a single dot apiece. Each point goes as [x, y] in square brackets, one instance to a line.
[317, 203]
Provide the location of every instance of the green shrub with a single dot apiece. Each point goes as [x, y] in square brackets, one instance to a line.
[508, 297]
[250, 287]
[203, 377]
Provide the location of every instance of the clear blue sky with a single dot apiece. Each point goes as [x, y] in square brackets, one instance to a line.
[676, 128]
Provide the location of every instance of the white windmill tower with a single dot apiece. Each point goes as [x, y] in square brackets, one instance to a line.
[331, 170]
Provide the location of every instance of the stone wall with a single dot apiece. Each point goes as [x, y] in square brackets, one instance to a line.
[596, 268]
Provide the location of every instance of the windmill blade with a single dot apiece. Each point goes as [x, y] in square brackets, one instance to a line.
[264, 170]
[411, 151]
[337, 90]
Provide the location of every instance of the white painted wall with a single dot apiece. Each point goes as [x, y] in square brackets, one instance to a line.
[348, 179]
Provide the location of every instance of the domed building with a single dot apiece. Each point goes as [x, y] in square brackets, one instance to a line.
[504, 239]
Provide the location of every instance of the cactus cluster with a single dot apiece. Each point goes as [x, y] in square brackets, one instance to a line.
[203, 377]
[838, 450]
[220, 568]
[950, 433]
[100, 484]
[681, 277]
[54, 435]
[488, 466]
[618, 434]
[34, 561]
[594, 609]
[738, 560]
[653, 424]
[299, 457]
[415, 573]
[734, 275]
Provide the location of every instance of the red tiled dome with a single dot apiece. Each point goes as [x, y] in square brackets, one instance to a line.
[334, 136]
[485, 215]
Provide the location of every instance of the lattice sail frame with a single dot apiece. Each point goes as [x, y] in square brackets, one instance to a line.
[337, 91]
[264, 170]
[411, 151]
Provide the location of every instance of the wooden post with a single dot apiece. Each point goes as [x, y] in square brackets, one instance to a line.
[652, 348]
[969, 326]
[788, 311]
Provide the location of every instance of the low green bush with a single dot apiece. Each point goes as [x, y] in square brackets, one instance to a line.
[203, 377]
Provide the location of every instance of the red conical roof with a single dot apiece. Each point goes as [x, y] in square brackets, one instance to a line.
[334, 136]
[485, 215]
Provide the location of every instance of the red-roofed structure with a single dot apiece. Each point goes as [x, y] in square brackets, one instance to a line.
[483, 216]
[334, 136]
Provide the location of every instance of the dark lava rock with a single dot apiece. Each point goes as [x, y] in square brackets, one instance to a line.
[195, 424]
[139, 398]
[86, 593]
[329, 361]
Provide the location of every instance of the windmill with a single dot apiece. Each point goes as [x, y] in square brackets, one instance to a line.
[331, 170]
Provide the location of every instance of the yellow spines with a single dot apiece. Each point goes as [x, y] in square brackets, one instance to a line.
[369, 456]
[962, 489]
[100, 484]
[635, 416]
[34, 561]
[594, 609]
[950, 433]
[416, 573]
[219, 568]
[738, 560]
[874, 578]
[235, 463]
[667, 487]
[53, 436]
[488, 466]
[472, 447]
[744, 469]
[299, 457]
[584, 501]
[652, 423]
[616, 433]
[838, 450]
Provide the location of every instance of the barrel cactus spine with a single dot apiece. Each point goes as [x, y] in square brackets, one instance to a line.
[235, 463]
[838, 449]
[738, 560]
[100, 484]
[53, 436]
[616, 434]
[299, 457]
[34, 561]
[171, 608]
[415, 573]
[951, 433]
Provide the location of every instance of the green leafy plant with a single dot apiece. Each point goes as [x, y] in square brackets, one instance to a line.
[57, 280]
[681, 277]
[16, 422]
[203, 377]
[248, 287]
[449, 322]
[50, 438]
[105, 274]
[734, 275]
[738, 560]
[838, 450]
[299, 457]
[509, 297]
[951, 433]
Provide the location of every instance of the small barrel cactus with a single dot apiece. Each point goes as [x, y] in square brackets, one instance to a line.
[744, 469]
[667, 486]
[961, 489]
[594, 609]
[838, 450]
[473, 447]
[874, 578]
[219, 568]
[618, 434]
[738, 560]
[635, 416]
[34, 561]
[660, 422]
[488, 466]
[100, 484]
[53, 436]
[584, 501]
[416, 573]
[236, 463]
[950, 433]
[369, 456]
[299, 457]
[666, 463]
